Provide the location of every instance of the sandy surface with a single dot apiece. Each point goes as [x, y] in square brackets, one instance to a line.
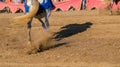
[83, 39]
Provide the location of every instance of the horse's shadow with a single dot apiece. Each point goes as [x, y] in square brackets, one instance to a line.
[71, 29]
[67, 31]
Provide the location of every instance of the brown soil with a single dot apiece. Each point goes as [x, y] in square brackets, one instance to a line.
[74, 39]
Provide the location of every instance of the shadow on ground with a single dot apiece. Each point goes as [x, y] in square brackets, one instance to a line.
[65, 31]
[71, 29]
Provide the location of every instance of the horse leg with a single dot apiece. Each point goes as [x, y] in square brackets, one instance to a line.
[29, 26]
[48, 12]
[43, 24]
[110, 9]
[111, 4]
[116, 2]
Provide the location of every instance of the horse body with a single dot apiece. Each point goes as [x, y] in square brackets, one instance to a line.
[36, 9]
[111, 4]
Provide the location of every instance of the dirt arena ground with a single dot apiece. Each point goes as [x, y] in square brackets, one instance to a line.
[82, 39]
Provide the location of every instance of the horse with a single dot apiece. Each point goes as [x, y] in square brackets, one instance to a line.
[111, 2]
[36, 9]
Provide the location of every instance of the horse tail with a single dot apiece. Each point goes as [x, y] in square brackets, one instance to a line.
[34, 7]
